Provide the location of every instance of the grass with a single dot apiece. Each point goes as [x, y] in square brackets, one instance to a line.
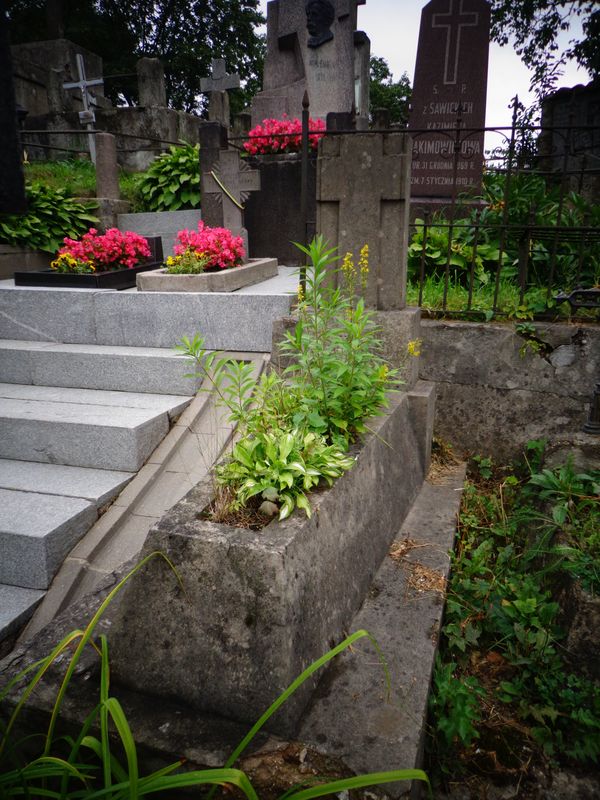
[78, 177]
[509, 699]
[535, 301]
[101, 760]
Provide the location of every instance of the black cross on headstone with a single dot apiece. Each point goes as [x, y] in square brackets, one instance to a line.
[454, 21]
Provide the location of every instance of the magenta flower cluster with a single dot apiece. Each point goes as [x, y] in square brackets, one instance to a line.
[282, 136]
[219, 245]
[114, 249]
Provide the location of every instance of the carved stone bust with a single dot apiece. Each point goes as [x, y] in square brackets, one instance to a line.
[320, 15]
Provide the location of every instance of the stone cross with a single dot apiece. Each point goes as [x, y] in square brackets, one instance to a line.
[230, 182]
[86, 117]
[217, 86]
[363, 194]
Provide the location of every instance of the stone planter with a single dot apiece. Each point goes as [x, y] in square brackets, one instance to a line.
[259, 607]
[225, 280]
[112, 279]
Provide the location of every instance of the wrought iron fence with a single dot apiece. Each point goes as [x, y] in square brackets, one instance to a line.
[522, 241]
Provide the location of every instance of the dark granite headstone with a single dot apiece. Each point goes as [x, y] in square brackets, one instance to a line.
[12, 187]
[450, 80]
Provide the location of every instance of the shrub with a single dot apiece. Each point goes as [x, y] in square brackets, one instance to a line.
[295, 430]
[51, 215]
[172, 182]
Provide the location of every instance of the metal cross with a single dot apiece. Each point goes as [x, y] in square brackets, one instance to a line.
[232, 181]
[454, 26]
[86, 117]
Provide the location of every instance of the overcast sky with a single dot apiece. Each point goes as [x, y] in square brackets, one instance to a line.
[393, 28]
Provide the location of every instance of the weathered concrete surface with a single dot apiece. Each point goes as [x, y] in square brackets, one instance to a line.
[352, 714]
[363, 197]
[492, 398]
[260, 607]
[227, 280]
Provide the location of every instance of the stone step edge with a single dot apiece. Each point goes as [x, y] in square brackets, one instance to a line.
[403, 611]
[63, 589]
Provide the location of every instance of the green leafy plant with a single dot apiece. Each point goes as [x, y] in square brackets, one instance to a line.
[172, 182]
[335, 366]
[51, 215]
[273, 458]
[455, 703]
[282, 466]
[294, 430]
[187, 263]
[524, 532]
[86, 766]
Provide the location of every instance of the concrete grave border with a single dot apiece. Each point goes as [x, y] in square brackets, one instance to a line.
[259, 607]
[226, 280]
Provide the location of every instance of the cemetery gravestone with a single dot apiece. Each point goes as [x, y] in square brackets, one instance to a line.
[12, 186]
[310, 47]
[151, 83]
[217, 87]
[450, 80]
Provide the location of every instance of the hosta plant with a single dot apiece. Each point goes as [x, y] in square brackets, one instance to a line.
[172, 181]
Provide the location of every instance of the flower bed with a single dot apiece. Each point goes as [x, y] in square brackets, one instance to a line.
[228, 280]
[116, 275]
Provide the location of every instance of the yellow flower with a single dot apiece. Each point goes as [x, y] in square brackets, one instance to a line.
[300, 293]
[348, 266]
[413, 348]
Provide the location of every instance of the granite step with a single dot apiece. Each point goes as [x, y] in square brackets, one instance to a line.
[83, 427]
[88, 366]
[16, 607]
[45, 509]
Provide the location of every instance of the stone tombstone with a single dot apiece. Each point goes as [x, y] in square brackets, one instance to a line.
[107, 169]
[450, 78]
[226, 182]
[217, 87]
[310, 47]
[12, 186]
[151, 83]
[363, 193]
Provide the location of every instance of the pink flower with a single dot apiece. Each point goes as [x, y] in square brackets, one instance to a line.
[223, 249]
[282, 136]
[111, 250]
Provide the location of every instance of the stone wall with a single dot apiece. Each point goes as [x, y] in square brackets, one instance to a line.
[494, 392]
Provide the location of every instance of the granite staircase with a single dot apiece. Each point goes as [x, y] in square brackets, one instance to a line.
[89, 388]
[77, 422]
